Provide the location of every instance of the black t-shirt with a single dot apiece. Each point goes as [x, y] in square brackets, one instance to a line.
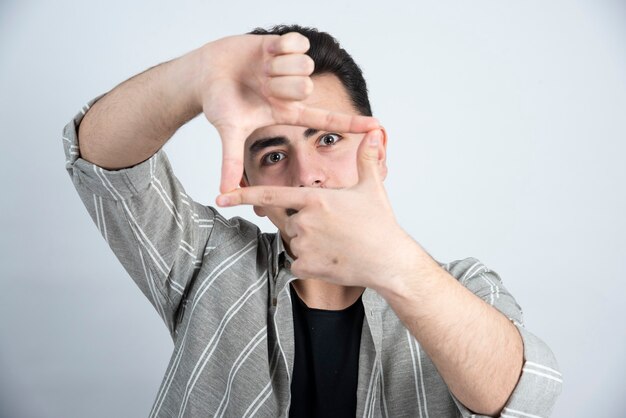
[326, 363]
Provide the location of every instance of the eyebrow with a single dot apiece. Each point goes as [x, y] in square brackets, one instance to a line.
[260, 144]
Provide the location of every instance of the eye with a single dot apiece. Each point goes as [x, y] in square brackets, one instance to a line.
[272, 158]
[329, 139]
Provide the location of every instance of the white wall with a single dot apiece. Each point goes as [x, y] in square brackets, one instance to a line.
[507, 123]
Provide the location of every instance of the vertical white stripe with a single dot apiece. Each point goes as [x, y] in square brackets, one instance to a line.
[419, 362]
[188, 252]
[152, 287]
[152, 166]
[476, 266]
[95, 205]
[261, 402]
[367, 408]
[273, 366]
[167, 196]
[175, 285]
[382, 388]
[171, 209]
[494, 286]
[163, 267]
[104, 223]
[186, 244]
[213, 343]
[417, 391]
[273, 363]
[163, 390]
[491, 289]
[239, 361]
[204, 286]
[288, 293]
[95, 169]
[375, 389]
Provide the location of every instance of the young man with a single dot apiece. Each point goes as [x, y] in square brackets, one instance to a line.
[340, 313]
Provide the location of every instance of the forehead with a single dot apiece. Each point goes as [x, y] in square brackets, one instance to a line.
[328, 93]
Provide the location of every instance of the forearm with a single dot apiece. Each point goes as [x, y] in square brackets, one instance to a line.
[476, 349]
[132, 121]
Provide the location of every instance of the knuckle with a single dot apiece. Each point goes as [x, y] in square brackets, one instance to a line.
[270, 66]
[296, 41]
[313, 199]
[301, 225]
[267, 197]
[330, 118]
[290, 228]
[282, 43]
[304, 42]
[308, 65]
[288, 40]
[307, 86]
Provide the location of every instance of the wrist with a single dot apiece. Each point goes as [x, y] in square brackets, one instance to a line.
[408, 265]
[187, 74]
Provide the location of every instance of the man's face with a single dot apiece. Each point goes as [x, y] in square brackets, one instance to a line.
[293, 156]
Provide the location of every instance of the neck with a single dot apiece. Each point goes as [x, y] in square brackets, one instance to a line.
[319, 294]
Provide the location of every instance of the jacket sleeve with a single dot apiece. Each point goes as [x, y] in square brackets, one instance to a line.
[541, 381]
[158, 233]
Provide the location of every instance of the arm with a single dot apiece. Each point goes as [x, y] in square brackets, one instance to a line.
[125, 181]
[135, 119]
[241, 83]
[463, 318]
[476, 349]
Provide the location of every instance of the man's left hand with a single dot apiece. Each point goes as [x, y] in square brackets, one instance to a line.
[344, 236]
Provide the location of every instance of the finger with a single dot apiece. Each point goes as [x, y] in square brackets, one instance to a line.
[291, 228]
[368, 156]
[274, 196]
[291, 64]
[232, 162]
[289, 43]
[327, 120]
[294, 246]
[289, 87]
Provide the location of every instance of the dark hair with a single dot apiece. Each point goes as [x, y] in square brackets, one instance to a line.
[330, 57]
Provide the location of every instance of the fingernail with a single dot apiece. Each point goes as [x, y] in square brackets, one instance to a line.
[222, 200]
[375, 138]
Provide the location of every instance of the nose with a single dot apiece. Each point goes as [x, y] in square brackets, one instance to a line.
[307, 170]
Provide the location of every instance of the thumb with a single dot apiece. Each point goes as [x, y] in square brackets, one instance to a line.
[232, 161]
[368, 156]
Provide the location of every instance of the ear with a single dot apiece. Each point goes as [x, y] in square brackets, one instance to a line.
[259, 211]
[382, 155]
[244, 183]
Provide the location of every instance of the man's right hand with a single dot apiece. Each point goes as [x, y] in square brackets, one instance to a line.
[241, 83]
[251, 81]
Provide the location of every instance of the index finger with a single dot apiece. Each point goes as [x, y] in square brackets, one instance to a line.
[276, 196]
[326, 120]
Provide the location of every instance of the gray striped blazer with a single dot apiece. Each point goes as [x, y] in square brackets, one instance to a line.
[220, 287]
